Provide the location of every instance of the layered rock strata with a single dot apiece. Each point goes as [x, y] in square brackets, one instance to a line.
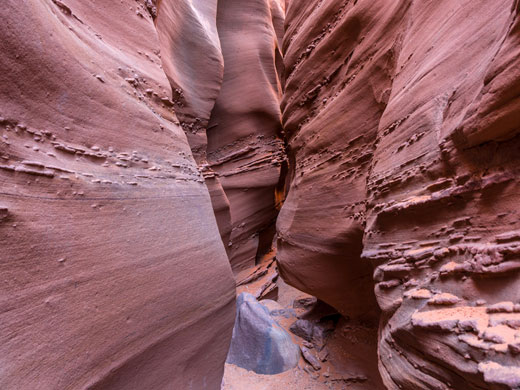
[223, 60]
[244, 146]
[111, 259]
[402, 121]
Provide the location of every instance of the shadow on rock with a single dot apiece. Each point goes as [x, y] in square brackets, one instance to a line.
[259, 344]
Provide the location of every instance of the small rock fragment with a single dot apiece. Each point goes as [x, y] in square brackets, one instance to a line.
[310, 358]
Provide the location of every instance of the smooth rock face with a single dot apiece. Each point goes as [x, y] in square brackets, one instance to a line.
[110, 257]
[403, 129]
[259, 344]
[193, 61]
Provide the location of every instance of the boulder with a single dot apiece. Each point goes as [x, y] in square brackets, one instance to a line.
[259, 344]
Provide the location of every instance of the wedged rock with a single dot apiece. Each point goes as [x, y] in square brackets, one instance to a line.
[303, 329]
[314, 332]
[259, 344]
[310, 358]
[314, 325]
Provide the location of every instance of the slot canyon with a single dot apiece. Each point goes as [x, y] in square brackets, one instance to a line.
[260, 195]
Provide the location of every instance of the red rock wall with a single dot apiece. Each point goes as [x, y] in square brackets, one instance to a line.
[113, 272]
[244, 146]
[402, 120]
[193, 61]
[229, 107]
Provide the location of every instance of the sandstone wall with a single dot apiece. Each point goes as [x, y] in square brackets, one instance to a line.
[223, 60]
[244, 146]
[402, 120]
[113, 272]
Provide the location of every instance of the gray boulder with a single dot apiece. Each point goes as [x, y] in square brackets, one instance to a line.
[259, 344]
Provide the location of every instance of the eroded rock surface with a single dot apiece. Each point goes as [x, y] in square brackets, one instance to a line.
[193, 61]
[110, 257]
[402, 121]
[244, 146]
[229, 107]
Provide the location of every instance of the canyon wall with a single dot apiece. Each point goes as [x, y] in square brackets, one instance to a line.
[193, 61]
[402, 121]
[114, 275]
[141, 140]
[223, 61]
[244, 148]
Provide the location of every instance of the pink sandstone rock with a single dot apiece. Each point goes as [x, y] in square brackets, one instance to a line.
[133, 133]
[113, 272]
[244, 146]
[229, 106]
[402, 124]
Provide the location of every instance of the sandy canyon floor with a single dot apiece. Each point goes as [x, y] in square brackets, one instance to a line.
[343, 360]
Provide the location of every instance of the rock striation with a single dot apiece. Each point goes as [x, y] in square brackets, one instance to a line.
[147, 145]
[231, 114]
[111, 259]
[244, 149]
[402, 124]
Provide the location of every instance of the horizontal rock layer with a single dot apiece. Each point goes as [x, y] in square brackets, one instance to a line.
[402, 121]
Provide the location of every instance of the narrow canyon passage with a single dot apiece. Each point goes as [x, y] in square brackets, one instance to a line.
[259, 194]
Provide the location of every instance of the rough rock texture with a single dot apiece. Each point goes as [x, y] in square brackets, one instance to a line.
[259, 343]
[403, 121]
[244, 149]
[229, 107]
[402, 126]
[330, 120]
[260, 281]
[110, 258]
